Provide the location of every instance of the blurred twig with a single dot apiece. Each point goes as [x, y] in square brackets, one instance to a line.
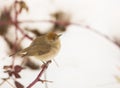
[44, 67]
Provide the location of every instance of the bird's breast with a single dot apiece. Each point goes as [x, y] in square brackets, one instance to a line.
[51, 54]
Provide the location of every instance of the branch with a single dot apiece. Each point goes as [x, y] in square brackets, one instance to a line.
[44, 67]
[55, 22]
[22, 32]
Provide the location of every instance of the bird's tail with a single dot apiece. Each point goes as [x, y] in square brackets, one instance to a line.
[14, 53]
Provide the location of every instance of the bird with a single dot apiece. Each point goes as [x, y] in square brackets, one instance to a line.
[44, 47]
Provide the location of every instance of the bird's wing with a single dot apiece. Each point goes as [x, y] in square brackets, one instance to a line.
[37, 50]
[38, 40]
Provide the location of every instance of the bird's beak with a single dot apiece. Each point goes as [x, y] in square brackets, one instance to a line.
[59, 35]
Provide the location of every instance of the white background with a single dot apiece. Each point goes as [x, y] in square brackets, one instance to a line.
[86, 59]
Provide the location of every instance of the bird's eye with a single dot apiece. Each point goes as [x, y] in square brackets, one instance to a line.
[54, 38]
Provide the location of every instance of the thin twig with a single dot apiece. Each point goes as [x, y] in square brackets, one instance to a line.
[25, 35]
[6, 80]
[10, 84]
[44, 67]
[5, 22]
[45, 77]
[2, 82]
[60, 23]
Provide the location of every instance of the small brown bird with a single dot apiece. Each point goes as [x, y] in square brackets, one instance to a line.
[44, 47]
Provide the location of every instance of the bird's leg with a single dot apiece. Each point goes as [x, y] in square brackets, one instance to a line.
[43, 81]
[45, 63]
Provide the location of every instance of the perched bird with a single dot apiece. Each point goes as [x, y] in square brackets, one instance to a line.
[44, 47]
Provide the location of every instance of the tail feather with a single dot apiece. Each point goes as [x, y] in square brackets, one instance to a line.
[12, 55]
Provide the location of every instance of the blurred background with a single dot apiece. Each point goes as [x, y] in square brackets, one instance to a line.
[90, 52]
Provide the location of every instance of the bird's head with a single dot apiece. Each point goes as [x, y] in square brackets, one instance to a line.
[53, 37]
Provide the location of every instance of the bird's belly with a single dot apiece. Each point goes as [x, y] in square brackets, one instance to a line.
[48, 56]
